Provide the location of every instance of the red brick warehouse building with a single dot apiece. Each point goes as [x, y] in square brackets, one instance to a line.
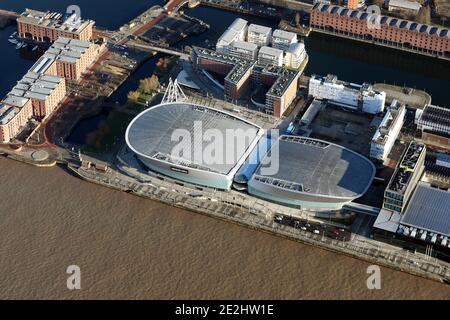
[392, 32]
[48, 26]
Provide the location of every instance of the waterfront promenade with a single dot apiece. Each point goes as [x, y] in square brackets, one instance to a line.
[256, 215]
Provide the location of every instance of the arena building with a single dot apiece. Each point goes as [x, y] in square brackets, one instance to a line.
[312, 174]
[154, 137]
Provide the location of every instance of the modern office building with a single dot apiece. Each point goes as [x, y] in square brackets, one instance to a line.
[394, 32]
[259, 35]
[253, 43]
[388, 131]
[405, 178]
[283, 39]
[240, 74]
[348, 95]
[282, 92]
[270, 56]
[237, 31]
[150, 137]
[49, 26]
[244, 50]
[312, 174]
[295, 55]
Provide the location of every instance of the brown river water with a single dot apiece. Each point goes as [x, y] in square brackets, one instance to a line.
[131, 248]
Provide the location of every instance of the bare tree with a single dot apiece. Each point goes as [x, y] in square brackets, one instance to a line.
[149, 84]
[133, 96]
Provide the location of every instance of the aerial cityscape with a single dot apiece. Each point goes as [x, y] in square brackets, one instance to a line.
[234, 149]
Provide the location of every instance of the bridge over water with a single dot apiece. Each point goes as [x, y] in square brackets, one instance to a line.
[151, 48]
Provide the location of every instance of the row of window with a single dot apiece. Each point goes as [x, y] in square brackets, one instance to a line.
[391, 207]
[393, 202]
[393, 195]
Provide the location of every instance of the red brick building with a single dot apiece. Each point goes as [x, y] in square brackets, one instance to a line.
[241, 74]
[383, 30]
[49, 26]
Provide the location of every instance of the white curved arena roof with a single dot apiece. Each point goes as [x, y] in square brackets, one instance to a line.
[155, 134]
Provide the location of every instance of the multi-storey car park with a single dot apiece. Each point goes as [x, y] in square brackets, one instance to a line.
[383, 30]
[434, 123]
[49, 26]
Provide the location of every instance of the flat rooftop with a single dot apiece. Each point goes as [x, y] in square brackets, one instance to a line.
[256, 28]
[428, 209]
[7, 113]
[284, 35]
[273, 52]
[150, 135]
[331, 79]
[244, 45]
[401, 178]
[64, 22]
[318, 167]
[35, 86]
[284, 80]
[390, 120]
[241, 66]
[233, 30]
[385, 21]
